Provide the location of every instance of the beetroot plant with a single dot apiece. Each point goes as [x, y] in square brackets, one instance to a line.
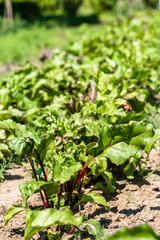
[67, 159]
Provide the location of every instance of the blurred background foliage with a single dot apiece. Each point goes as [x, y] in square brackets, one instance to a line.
[28, 26]
[30, 9]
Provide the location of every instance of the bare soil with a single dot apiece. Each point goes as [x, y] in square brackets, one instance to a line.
[7, 68]
[135, 202]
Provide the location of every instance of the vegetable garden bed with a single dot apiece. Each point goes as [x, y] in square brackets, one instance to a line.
[83, 121]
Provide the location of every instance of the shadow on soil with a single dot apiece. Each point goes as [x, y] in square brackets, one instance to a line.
[17, 231]
[12, 177]
[129, 212]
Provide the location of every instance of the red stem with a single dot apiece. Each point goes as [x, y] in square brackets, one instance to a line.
[60, 194]
[44, 174]
[44, 204]
[41, 164]
[35, 175]
[82, 179]
[71, 192]
[71, 231]
[46, 196]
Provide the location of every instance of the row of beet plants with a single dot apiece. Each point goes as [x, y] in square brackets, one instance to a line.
[69, 150]
[77, 119]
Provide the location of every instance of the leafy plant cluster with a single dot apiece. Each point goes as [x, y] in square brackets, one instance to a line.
[78, 119]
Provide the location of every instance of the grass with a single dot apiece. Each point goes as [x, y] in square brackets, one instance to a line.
[27, 44]
[29, 40]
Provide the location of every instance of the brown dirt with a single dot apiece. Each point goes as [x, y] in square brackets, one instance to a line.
[7, 68]
[135, 202]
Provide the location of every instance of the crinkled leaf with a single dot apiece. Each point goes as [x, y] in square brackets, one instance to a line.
[99, 165]
[93, 227]
[27, 189]
[64, 174]
[18, 130]
[13, 127]
[22, 145]
[120, 143]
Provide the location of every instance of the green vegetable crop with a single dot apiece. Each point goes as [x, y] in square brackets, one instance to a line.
[78, 117]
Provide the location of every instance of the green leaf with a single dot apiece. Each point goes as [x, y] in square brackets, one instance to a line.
[107, 175]
[120, 143]
[27, 189]
[120, 152]
[4, 96]
[13, 211]
[22, 145]
[2, 134]
[39, 220]
[18, 130]
[131, 167]
[4, 149]
[143, 232]
[93, 227]
[64, 174]
[99, 165]
[67, 173]
[151, 143]
[43, 147]
[13, 127]
[51, 188]
[94, 198]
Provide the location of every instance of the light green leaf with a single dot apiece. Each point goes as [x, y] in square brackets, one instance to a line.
[27, 189]
[151, 143]
[2, 134]
[120, 152]
[13, 211]
[94, 198]
[22, 145]
[107, 175]
[99, 165]
[13, 127]
[39, 220]
[143, 232]
[67, 173]
[93, 227]
[64, 174]
[4, 149]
